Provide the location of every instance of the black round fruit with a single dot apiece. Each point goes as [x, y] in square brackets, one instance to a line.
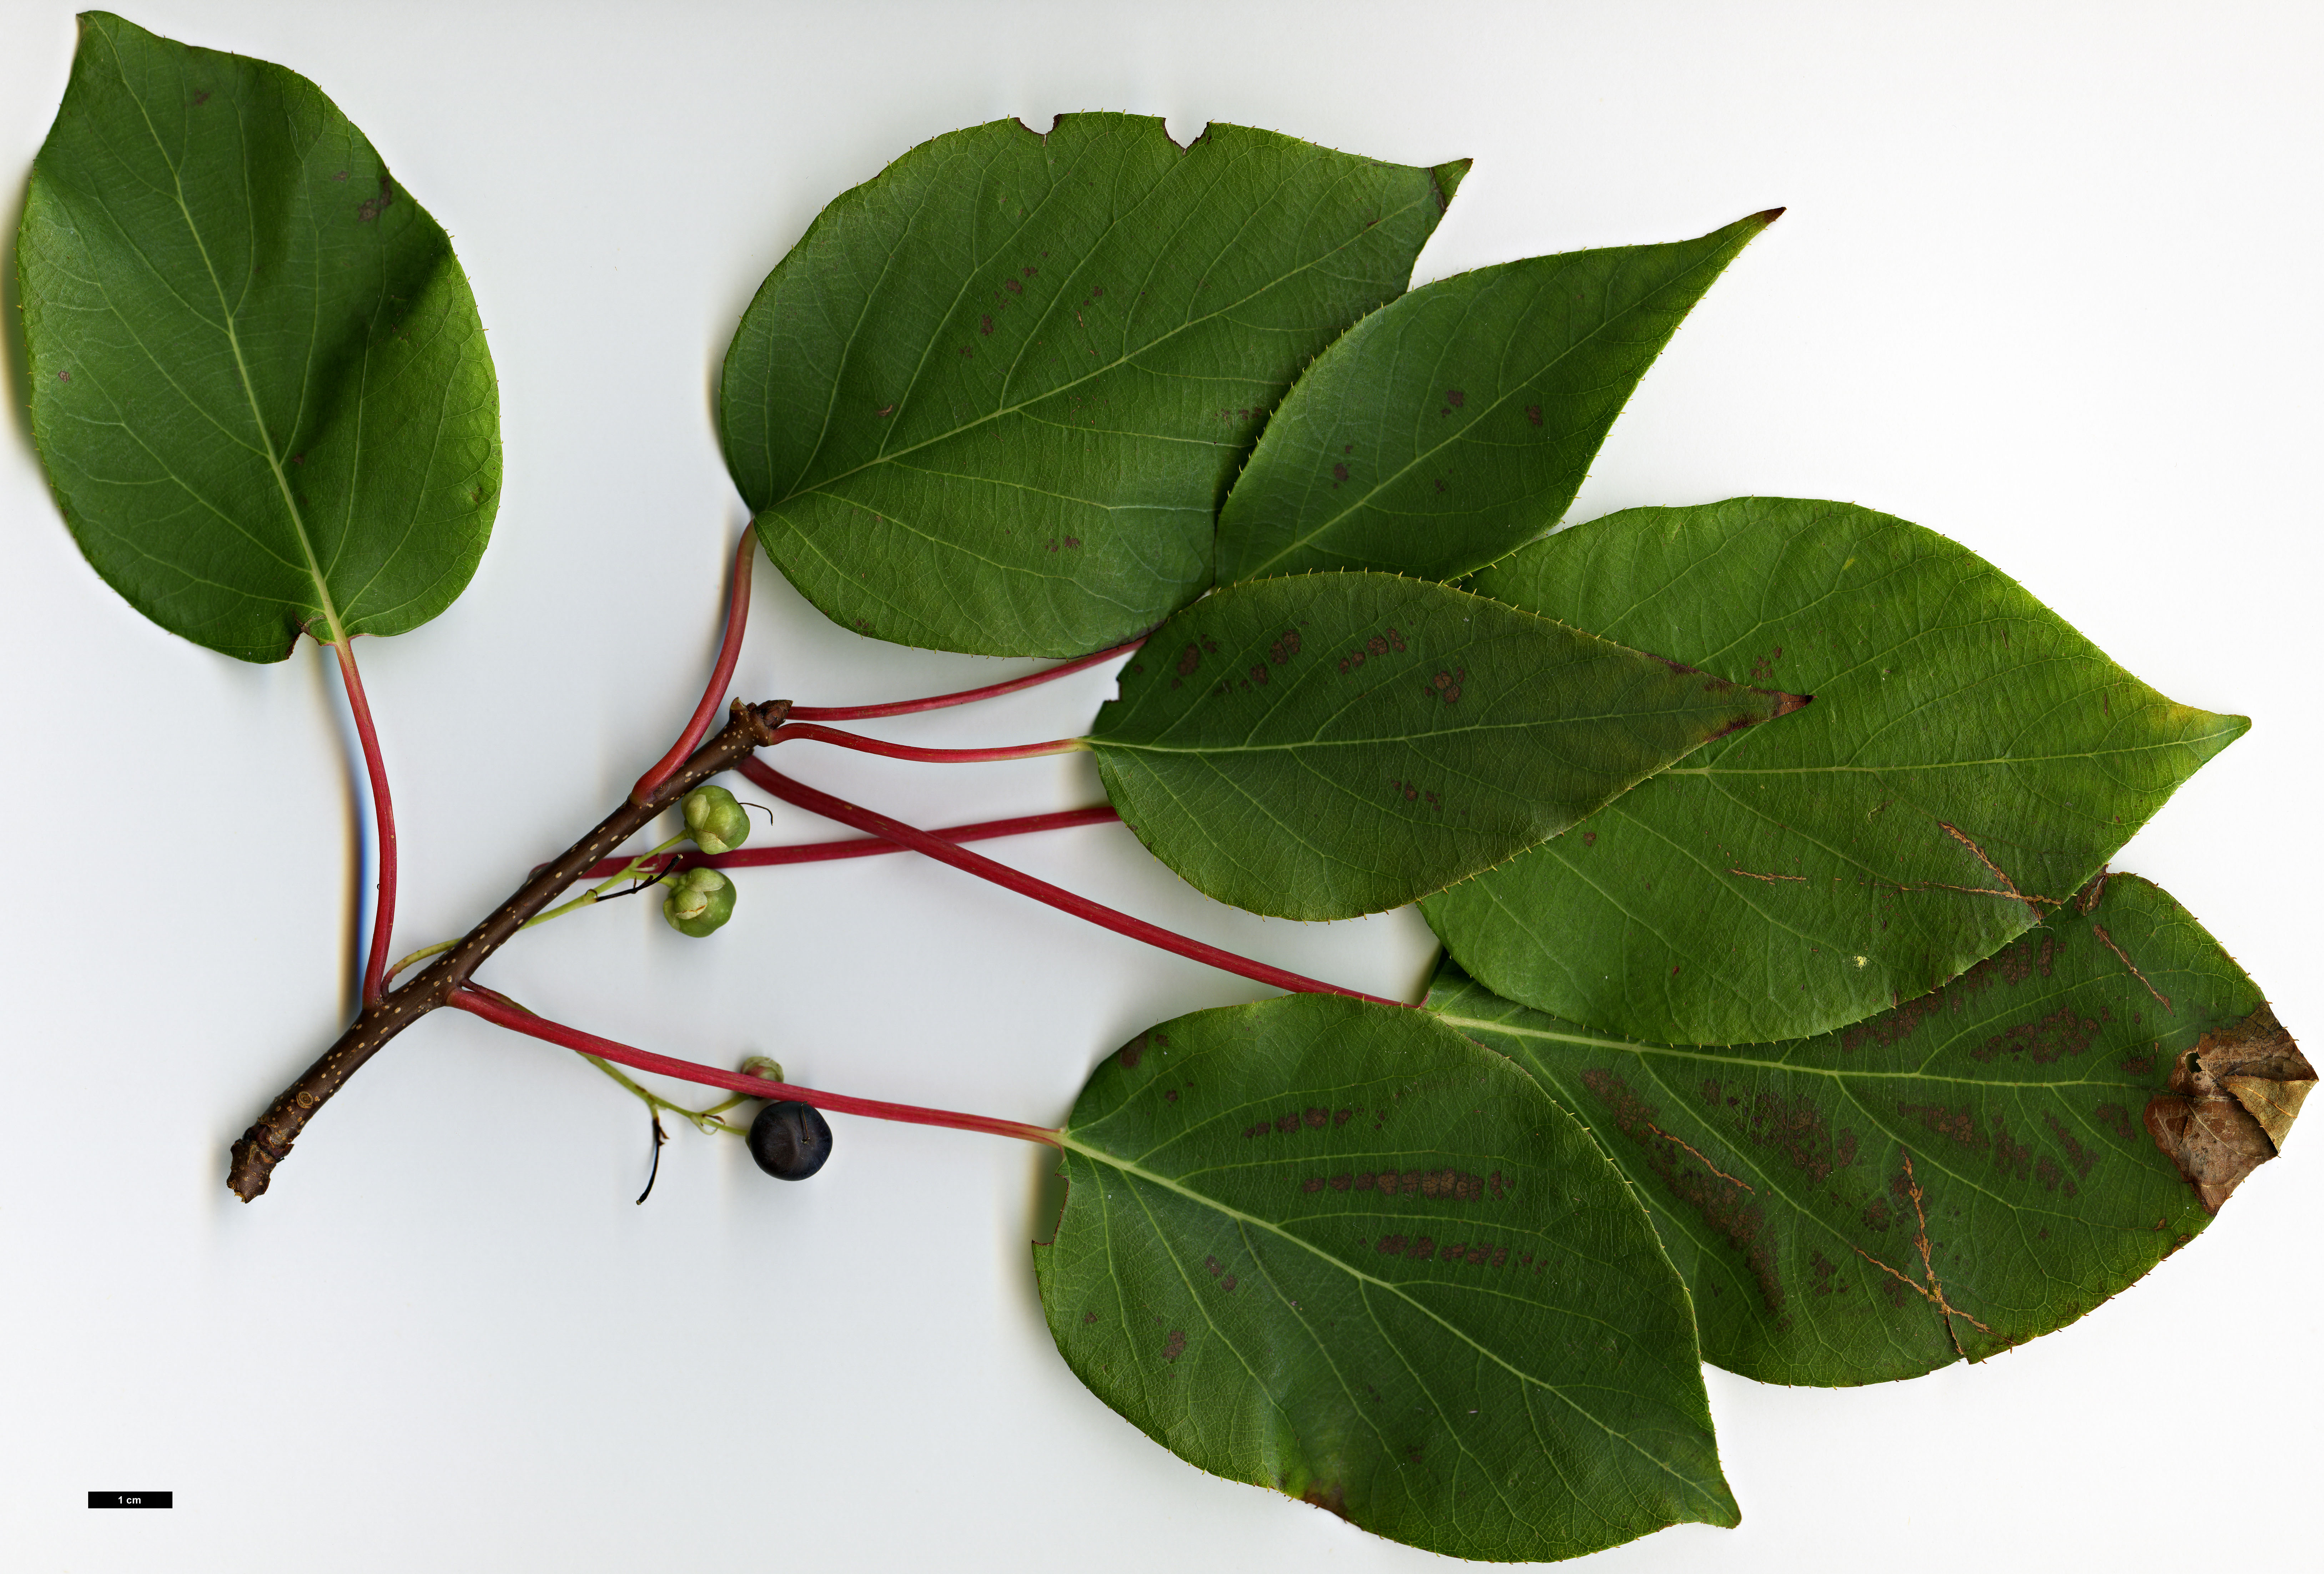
[790, 1141]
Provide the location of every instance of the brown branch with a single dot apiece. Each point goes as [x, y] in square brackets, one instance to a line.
[1994, 869]
[1697, 1152]
[268, 1141]
[2124, 956]
[1936, 1292]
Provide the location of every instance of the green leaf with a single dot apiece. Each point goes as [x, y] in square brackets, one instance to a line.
[1457, 423]
[1328, 744]
[1968, 1171]
[259, 384]
[1969, 762]
[1336, 1249]
[991, 402]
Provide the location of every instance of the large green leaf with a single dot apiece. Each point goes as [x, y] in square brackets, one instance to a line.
[991, 402]
[1338, 1250]
[1457, 423]
[1970, 1171]
[1970, 761]
[1322, 745]
[259, 384]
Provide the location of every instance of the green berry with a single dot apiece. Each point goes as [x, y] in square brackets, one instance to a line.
[715, 820]
[699, 901]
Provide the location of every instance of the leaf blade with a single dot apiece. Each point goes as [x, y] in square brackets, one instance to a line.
[1971, 761]
[991, 400]
[2002, 1121]
[1322, 745]
[1458, 421]
[260, 390]
[1257, 1275]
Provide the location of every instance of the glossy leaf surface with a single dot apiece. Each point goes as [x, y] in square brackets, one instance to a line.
[1968, 1171]
[259, 384]
[1322, 745]
[1968, 763]
[1456, 423]
[991, 402]
[1337, 1249]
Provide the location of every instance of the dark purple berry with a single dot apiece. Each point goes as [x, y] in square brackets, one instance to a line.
[790, 1141]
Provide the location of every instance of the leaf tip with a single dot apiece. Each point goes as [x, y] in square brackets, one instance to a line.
[1448, 178]
[1768, 216]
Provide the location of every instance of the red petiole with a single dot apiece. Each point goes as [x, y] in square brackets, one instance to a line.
[789, 733]
[877, 825]
[853, 846]
[382, 919]
[964, 697]
[722, 673]
[503, 1013]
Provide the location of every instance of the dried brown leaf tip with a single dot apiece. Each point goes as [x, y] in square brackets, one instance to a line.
[2232, 1102]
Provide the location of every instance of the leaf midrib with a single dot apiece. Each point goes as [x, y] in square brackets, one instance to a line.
[1113, 365]
[2229, 733]
[1675, 1052]
[1203, 751]
[234, 343]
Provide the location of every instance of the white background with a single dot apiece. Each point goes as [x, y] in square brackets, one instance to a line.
[2047, 284]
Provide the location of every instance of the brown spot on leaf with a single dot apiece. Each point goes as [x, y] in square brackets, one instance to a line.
[2082, 1158]
[1724, 1203]
[2053, 1037]
[1456, 398]
[1946, 1121]
[1330, 1496]
[1174, 1346]
[2117, 1118]
[372, 208]
[2232, 1102]
[1533, 414]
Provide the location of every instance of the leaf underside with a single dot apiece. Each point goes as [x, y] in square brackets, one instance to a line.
[1336, 1249]
[1456, 423]
[991, 400]
[1969, 762]
[259, 384]
[1322, 745]
[1963, 1173]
